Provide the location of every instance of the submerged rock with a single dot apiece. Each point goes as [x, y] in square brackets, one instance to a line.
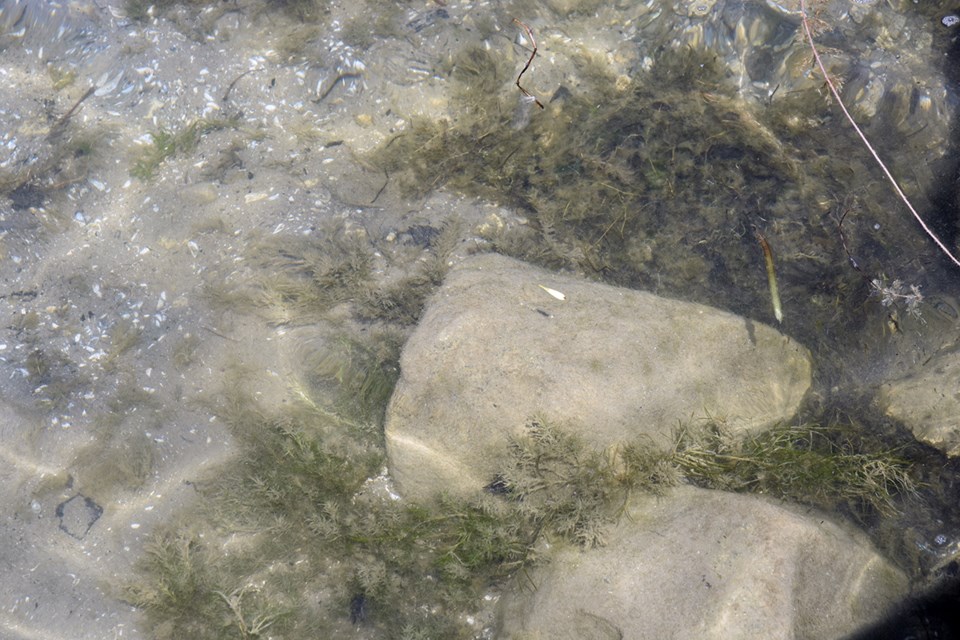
[502, 341]
[928, 402]
[706, 564]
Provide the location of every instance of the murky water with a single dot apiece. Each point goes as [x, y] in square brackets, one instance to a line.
[216, 217]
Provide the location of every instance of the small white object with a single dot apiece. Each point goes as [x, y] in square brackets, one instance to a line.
[556, 294]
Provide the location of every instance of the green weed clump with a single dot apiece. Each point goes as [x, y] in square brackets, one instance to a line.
[401, 302]
[297, 537]
[300, 536]
[166, 144]
[179, 596]
[297, 280]
[618, 179]
[292, 537]
[807, 463]
[300, 279]
[569, 489]
[360, 374]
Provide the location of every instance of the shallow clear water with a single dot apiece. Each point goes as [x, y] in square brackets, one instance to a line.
[172, 185]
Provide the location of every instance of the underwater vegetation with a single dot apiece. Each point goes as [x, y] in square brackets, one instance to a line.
[295, 535]
[573, 490]
[303, 278]
[807, 463]
[367, 367]
[604, 169]
[166, 144]
[300, 534]
[569, 490]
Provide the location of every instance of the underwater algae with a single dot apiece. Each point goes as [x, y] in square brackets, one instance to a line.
[293, 537]
[300, 533]
[165, 144]
[654, 179]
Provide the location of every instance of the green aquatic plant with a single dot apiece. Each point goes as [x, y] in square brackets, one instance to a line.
[360, 374]
[401, 302]
[569, 489]
[165, 144]
[305, 509]
[573, 490]
[124, 336]
[603, 168]
[305, 482]
[248, 625]
[807, 463]
[184, 353]
[300, 279]
[179, 597]
[62, 76]
[295, 514]
[563, 485]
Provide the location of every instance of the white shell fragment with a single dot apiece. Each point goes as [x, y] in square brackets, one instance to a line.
[556, 294]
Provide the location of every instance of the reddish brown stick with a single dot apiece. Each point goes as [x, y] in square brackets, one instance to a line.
[863, 138]
[533, 54]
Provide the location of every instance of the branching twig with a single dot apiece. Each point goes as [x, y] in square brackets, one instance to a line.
[863, 137]
[533, 54]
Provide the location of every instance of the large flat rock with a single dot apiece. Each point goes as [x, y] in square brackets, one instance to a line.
[708, 565]
[496, 346]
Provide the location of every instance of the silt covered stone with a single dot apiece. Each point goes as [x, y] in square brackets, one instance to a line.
[502, 341]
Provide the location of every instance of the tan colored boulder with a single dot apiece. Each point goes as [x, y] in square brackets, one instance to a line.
[928, 402]
[707, 565]
[502, 341]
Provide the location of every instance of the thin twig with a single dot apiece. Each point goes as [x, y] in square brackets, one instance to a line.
[843, 242]
[62, 122]
[339, 78]
[863, 137]
[226, 94]
[533, 54]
